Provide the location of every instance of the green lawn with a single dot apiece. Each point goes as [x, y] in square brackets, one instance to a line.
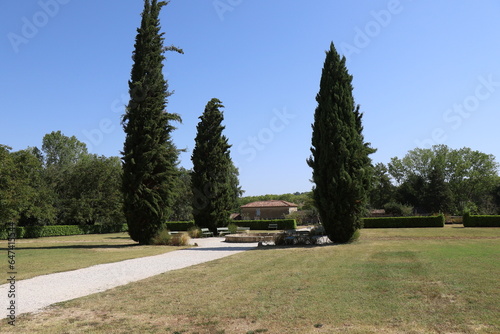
[55, 254]
[440, 280]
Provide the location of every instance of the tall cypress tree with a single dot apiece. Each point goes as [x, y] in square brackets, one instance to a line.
[214, 179]
[149, 155]
[340, 162]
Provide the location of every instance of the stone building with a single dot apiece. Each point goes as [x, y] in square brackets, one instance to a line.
[275, 209]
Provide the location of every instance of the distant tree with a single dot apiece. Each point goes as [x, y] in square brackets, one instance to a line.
[214, 179]
[92, 192]
[61, 151]
[182, 208]
[437, 195]
[382, 190]
[10, 203]
[39, 197]
[149, 155]
[24, 196]
[340, 162]
[444, 179]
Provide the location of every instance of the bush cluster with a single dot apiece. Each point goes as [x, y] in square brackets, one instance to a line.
[481, 221]
[400, 222]
[283, 224]
[60, 230]
[398, 209]
[163, 237]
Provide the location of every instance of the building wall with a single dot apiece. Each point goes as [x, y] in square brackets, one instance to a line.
[266, 213]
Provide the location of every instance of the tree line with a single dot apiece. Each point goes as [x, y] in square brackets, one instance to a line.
[438, 180]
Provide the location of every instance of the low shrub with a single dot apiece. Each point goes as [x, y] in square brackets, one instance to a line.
[163, 237]
[398, 209]
[194, 232]
[401, 222]
[233, 228]
[180, 239]
[481, 221]
[283, 224]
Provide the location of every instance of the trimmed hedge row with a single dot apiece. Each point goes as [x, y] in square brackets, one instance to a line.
[179, 226]
[283, 224]
[401, 222]
[59, 230]
[481, 221]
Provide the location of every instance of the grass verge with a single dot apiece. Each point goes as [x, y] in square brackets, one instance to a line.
[390, 281]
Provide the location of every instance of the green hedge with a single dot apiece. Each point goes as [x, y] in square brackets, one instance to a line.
[283, 224]
[179, 226]
[400, 222]
[481, 221]
[60, 230]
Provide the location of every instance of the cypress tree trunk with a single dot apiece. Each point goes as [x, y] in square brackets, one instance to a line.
[340, 163]
[149, 155]
[214, 179]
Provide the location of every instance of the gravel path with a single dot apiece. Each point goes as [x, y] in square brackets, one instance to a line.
[33, 294]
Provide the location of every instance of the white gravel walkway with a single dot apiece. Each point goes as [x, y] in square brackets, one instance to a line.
[34, 294]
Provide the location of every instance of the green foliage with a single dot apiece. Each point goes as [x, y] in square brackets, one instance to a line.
[283, 224]
[23, 193]
[340, 163]
[89, 192]
[182, 208]
[233, 228]
[61, 151]
[441, 179]
[398, 209]
[481, 221]
[382, 190]
[60, 230]
[179, 226]
[149, 155]
[214, 179]
[404, 222]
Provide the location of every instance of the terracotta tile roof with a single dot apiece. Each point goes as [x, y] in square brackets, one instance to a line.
[269, 204]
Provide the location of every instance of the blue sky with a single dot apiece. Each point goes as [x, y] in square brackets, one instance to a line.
[425, 72]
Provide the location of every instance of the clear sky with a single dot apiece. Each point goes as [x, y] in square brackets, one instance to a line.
[425, 72]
